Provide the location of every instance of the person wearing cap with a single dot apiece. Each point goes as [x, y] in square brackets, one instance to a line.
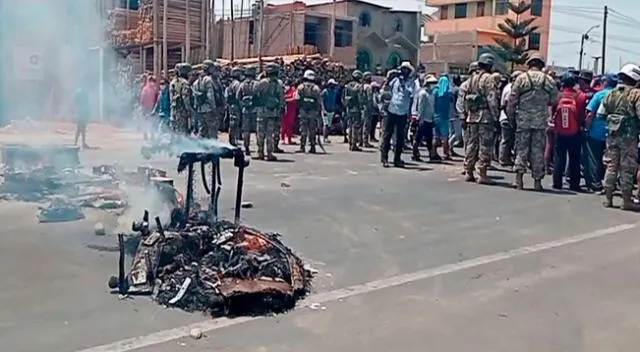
[482, 102]
[401, 89]
[620, 108]
[353, 101]
[309, 105]
[596, 136]
[584, 80]
[567, 118]
[181, 98]
[329, 102]
[443, 98]
[385, 99]
[270, 101]
[423, 115]
[507, 126]
[461, 108]
[532, 93]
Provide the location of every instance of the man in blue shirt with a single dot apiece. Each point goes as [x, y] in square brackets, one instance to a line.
[401, 90]
[329, 107]
[595, 143]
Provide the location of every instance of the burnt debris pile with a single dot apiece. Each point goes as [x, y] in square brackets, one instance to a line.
[222, 270]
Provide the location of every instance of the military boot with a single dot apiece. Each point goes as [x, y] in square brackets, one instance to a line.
[627, 202]
[537, 185]
[484, 179]
[271, 157]
[312, 149]
[416, 157]
[470, 177]
[608, 198]
[384, 160]
[302, 149]
[519, 183]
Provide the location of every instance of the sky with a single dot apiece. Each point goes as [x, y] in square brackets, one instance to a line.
[569, 19]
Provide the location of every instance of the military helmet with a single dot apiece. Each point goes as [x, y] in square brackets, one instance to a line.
[473, 66]
[309, 75]
[184, 68]
[568, 80]
[272, 67]
[536, 57]
[367, 74]
[236, 72]
[486, 59]
[207, 65]
[357, 74]
[249, 70]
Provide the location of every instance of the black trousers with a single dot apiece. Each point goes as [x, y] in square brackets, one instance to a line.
[394, 124]
[567, 146]
[424, 132]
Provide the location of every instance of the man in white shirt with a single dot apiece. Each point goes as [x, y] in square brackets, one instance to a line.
[508, 127]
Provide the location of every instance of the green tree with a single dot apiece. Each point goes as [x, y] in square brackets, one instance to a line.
[514, 50]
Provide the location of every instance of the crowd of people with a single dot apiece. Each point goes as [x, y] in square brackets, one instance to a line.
[571, 126]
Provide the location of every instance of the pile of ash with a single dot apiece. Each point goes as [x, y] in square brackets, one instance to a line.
[222, 270]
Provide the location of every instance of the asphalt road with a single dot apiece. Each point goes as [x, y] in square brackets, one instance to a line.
[409, 260]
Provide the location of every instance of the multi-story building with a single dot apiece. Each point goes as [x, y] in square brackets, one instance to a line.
[366, 35]
[477, 21]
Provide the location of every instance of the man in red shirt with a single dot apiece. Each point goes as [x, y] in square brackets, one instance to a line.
[567, 120]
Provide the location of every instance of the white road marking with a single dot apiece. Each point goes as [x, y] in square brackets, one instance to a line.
[164, 336]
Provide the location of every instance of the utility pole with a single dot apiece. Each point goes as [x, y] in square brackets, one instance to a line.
[332, 29]
[584, 37]
[233, 33]
[260, 31]
[596, 61]
[604, 36]
[165, 49]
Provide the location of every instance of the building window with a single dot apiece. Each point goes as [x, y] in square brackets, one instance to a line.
[363, 60]
[365, 19]
[132, 4]
[444, 12]
[397, 25]
[501, 7]
[343, 34]
[394, 60]
[460, 11]
[480, 9]
[251, 31]
[534, 41]
[311, 34]
[536, 8]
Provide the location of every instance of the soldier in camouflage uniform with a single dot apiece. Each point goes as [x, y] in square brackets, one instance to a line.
[233, 105]
[308, 97]
[621, 108]
[270, 101]
[367, 112]
[532, 94]
[461, 109]
[246, 96]
[482, 104]
[278, 127]
[209, 100]
[508, 130]
[180, 94]
[352, 100]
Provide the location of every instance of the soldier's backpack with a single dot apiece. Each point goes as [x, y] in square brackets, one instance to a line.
[351, 98]
[566, 115]
[476, 97]
[249, 94]
[308, 100]
[619, 123]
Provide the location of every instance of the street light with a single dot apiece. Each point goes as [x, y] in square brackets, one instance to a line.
[584, 37]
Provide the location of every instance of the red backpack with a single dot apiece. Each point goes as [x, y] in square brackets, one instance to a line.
[566, 115]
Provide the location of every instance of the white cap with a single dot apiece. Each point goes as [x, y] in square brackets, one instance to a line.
[309, 74]
[431, 79]
[332, 81]
[406, 64]
[632, 71]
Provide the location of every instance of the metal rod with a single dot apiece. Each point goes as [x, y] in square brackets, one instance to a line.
[233, 32]
[122, 285]
[159, 226]
[165, 45]
[241, 166]
[332, 29]
[189, 196]
[214, 183]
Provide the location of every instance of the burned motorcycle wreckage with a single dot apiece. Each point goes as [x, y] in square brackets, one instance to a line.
[202, 263]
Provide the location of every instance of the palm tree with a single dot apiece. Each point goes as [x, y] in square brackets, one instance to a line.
[514, 49]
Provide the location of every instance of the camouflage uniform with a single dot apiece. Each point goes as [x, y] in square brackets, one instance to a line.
[246, 96]
[233, 106]
[532, 93]
[461, 109]
[180, 94]
[308, 96]
[209, 100]
[367, 112]
[622, 109]
[352, 100]
[277, 127]
[270, 98]
[481, 115]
